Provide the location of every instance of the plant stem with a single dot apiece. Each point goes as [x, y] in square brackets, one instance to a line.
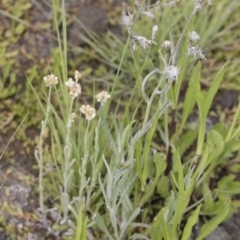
[169, 150]
[39, 155]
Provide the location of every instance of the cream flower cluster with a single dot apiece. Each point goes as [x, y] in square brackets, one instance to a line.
[50, 80]
[75, 88]
[102, 97]
[75, 91]
[88, 111]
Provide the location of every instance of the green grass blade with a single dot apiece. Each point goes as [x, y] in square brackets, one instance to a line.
[81, 226]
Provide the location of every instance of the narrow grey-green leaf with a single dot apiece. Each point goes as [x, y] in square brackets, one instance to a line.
[108, 132]
[130, 219]
[101, 224]
[139, 147]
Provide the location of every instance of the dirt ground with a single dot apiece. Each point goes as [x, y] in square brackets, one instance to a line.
[19, 217]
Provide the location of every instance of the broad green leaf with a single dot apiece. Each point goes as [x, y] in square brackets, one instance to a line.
[236, 204]
[208, 200]
[182, 58]
[214, 88]
[202, 164]
[192, 220]
[146, 151]
[221, 128]
[235, 168]
[195, 82]
[157, 219]
[19, 29]
[170, 203]
[210, 226]
[215, 143]
[80, 226]
[234, 132]
[190, 98]
[164, 230]
[229, 185]
[155, 231]
[178, 168]
[232, 146]
[84, 229]
[163, 187]
[201, 121]
[155, 234]
[160, 222]
[160, 163]
[215, 147]
[138, 147]
[186, 140]
[181, 205]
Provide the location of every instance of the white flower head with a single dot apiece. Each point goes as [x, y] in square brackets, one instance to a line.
[102, 97]
[196, 51]
[193, 36]
[73, 116]
[198, 5]
[77, 75]
[167, 45]
[148, 14]
[143, 41]
[75, 88]
[50, 80]
[172, 73]
[210, 2]
[154, 32]
[127, 20]
[88, 111]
